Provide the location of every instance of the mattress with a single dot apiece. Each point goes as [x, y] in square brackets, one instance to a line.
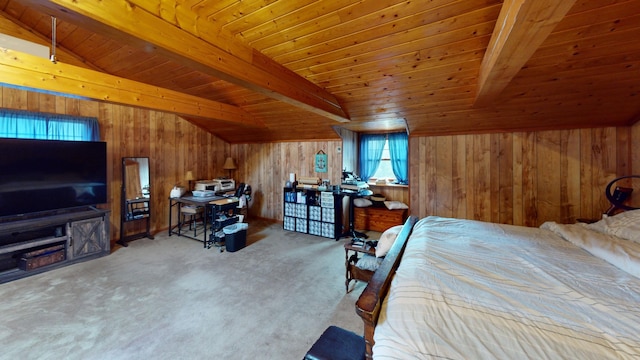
[476, 290]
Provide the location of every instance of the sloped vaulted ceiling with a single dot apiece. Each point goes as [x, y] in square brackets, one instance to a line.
[253, 71]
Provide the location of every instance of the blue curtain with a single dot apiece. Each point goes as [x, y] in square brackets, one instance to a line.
[371, 146]
[28, 125]
[399, 153]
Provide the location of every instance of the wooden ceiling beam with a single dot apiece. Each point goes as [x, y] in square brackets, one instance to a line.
[21, 69]
[127, 21]
[521, 28]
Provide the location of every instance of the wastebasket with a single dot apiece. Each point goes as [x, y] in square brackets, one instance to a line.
[235, 236]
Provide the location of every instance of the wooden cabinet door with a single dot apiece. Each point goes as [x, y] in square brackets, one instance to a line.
[87, 237]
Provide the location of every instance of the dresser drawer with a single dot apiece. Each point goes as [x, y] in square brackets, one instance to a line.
[378, 218]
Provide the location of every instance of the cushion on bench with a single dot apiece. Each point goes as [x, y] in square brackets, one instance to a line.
[336, 343]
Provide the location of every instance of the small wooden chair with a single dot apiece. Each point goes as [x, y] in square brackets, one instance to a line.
[192, 212]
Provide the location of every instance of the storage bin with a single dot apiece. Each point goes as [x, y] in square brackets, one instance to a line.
[235, 236]
[236, 241]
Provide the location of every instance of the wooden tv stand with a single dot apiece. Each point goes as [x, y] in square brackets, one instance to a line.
[37, 244]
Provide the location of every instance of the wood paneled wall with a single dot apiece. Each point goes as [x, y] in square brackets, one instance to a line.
[635, 148]
[392, 192]
[522, 178]
[635, 163]
[172, 144]
[266, 167]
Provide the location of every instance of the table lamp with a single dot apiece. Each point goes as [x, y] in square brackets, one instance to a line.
[229, 164]
[189, 177]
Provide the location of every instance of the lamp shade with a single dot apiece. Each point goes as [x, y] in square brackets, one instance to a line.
[189, 176]
[229, 164]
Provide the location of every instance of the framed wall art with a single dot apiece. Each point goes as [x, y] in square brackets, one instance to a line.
[321, 162]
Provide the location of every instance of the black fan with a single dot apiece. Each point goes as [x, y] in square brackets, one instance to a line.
[619, 196]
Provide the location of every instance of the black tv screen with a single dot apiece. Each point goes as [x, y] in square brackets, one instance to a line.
[45, 175]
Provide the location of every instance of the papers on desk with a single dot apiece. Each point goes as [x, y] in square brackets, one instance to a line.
[200, 199]
[223, 201]
[211, 200]
[203, 193]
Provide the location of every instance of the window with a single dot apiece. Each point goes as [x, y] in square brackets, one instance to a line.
[384, 156]
[29, 125]
[384, 168]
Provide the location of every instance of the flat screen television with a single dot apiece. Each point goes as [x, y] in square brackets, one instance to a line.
[44, 175]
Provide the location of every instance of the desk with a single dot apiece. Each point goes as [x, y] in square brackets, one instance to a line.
[213, 205]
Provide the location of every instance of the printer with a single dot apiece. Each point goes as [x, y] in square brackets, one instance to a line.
[225, 184]
[202, 185]
[217, 185]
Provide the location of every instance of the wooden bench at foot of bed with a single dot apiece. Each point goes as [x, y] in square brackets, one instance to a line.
[370, 301]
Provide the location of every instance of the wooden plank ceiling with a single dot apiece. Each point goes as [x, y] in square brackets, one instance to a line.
[280, 70]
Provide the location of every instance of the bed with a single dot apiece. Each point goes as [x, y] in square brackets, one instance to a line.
[463, 289]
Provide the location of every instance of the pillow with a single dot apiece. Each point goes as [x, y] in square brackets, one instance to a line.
[368, 262]
[387, 239]
[625, 225]
[392, 205]
[360, 202]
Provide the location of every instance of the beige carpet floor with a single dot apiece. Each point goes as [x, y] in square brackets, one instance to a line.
[169, 298]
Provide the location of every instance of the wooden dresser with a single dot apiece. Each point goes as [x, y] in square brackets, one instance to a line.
[376, 218]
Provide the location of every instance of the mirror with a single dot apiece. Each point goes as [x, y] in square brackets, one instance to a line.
[136, 197]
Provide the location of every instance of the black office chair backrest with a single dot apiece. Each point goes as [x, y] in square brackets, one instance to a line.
[240, 190]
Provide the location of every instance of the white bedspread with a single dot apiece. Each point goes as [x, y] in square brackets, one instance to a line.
[475, 290]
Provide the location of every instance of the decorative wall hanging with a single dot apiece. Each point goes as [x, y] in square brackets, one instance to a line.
[321, 162]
